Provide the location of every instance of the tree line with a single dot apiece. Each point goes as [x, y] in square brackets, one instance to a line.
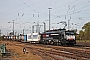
[84, 34]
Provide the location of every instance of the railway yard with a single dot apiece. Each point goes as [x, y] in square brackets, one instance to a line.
[80, 51]
[45, 30]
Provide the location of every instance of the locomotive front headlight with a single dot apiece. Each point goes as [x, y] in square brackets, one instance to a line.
[49, 40]
[59, 41]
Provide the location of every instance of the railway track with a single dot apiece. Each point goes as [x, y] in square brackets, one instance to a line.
[58, 52]
[47, 52]
[73, 52]
[68, 52]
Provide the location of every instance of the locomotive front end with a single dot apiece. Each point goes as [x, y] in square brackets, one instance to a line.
[70, 37]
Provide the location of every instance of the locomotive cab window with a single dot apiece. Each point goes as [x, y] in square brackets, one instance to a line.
[69, 33]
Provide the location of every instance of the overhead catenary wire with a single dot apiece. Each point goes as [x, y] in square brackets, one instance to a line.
[41, 12]
[37, 2]
[57, 16]
[74, 12]
[35, 10]
[74, 6]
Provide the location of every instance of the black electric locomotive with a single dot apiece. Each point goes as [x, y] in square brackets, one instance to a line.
[58, 37]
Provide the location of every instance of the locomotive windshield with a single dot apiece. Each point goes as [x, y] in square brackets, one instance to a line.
[69, 33]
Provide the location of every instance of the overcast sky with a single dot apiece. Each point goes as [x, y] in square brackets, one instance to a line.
[25, 12]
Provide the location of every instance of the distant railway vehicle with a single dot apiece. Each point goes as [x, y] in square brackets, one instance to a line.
[58, 37]
[33, 37]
